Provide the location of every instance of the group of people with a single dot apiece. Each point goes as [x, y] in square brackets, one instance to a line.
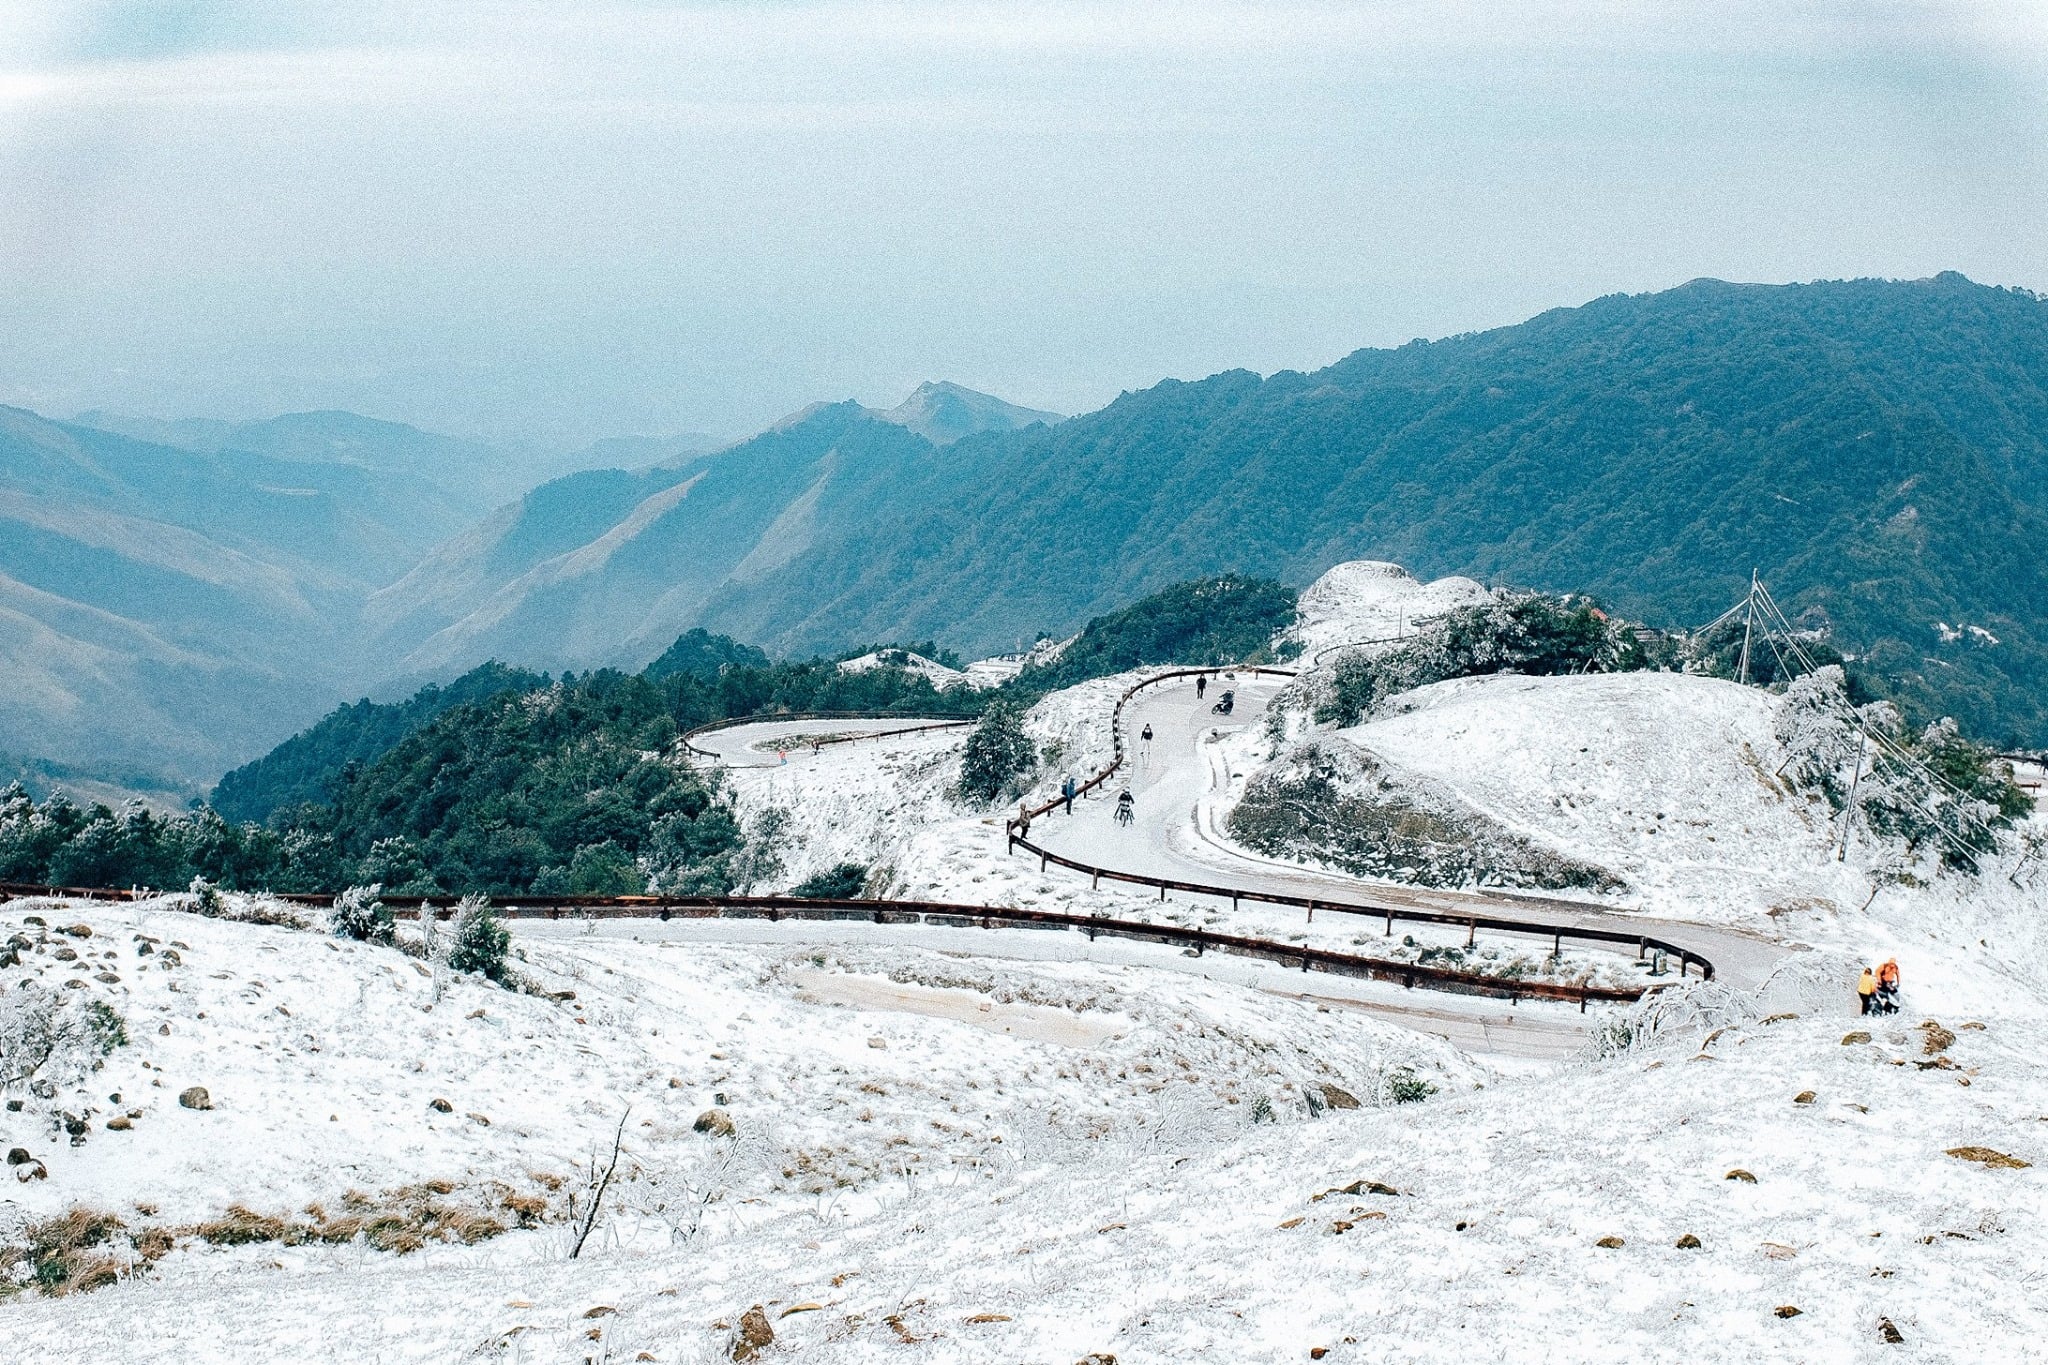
[1878, 988]
[1126, 804]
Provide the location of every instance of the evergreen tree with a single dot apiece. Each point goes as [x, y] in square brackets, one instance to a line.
[998, 752]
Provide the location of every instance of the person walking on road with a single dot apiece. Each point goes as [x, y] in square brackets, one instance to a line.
[1866, 990]
[1146, 735]
[1126, 808]
[1201, 685]
[1067, 793]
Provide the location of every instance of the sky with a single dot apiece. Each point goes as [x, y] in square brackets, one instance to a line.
[548, 223]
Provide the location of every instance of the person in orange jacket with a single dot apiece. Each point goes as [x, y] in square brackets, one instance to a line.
[1866, 989]
[1888, 987]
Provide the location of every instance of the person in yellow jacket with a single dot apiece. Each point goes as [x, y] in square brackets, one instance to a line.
[1866, 989]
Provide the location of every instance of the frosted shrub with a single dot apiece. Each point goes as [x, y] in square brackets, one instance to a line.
[358, 914]
[42, 1034]
[206, 898]
[477, 941]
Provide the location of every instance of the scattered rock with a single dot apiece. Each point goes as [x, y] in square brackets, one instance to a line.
[1362, 1187]
[143, 950]
[163, 1030]
[1097, 1358]
[1803, 1097]
[1972, 1026]
[195, 1097]
[1611, 1243]
[1859, 1036]
[675, 1082]
[440, 1106]
[479, 1120]
[1934, 1038]
[716, 1122]
[603, 1310]
[989, 1317]
[66, 954]
[16, 1106]
[107, 979]
[1318, 1352]
[878, 1041]
[1985, 1156]
[1777, 1018]
[801, 1308]
[34, 1170]
[1290, 1223]
[754, 1333]
[77, 930]
[1889, 1334]
[1786, 1311]
[18, 1156]
[474, 1014]
[1739, 1174]
[1338, 1098]
[1687, 1243]
[121, 1124]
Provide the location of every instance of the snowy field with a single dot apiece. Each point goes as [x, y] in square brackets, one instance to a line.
[978, 1160]
[894, 1143]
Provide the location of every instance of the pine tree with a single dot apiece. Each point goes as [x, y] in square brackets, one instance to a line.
[997, 753]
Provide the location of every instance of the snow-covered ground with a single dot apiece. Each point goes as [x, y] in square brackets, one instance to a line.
[969, 1145]
[912, 1171]
[940, 676]
[1366, 600]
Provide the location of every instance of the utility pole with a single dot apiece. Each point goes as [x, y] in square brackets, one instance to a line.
[1748, 621]
[1849, 807]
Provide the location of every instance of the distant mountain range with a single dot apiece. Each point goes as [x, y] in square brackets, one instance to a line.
[1877, 450]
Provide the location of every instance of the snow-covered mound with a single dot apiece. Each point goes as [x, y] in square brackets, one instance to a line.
[1667, 780]
[941, 676]
[1367, 599]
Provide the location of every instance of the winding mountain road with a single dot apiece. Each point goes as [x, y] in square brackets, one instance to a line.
[1183, 790]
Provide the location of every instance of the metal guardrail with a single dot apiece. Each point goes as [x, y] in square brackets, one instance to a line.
[949, 914]
[946, 914]
[1015, 834]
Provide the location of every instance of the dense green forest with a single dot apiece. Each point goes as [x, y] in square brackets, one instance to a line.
[304, 768]
[1877, 449]
[1228, 619]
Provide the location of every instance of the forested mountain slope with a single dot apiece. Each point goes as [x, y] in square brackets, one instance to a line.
[1877, 450]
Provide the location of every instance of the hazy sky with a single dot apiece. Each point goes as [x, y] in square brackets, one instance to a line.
[566, 220]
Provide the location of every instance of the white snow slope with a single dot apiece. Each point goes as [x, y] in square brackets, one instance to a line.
[1364, 599]
[908, 1180]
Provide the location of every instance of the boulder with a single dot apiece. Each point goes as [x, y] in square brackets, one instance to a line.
[1687, 1243]
[1611, 1243]
[1338, 1098]
[1858, 1036]
[18, 1156]
[1739, 1174]
[441, 1106]
[715, 1122]
[195, 1097]
[754, 1334]
[1986, 1156]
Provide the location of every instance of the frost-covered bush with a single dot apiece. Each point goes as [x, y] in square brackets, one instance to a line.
[1335, 803]
[360, 915]
[843, 882]
[1933, 790]
[43, 1033]
[477, 941]
[997, 755]
[206, 899]
[1515, 632]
